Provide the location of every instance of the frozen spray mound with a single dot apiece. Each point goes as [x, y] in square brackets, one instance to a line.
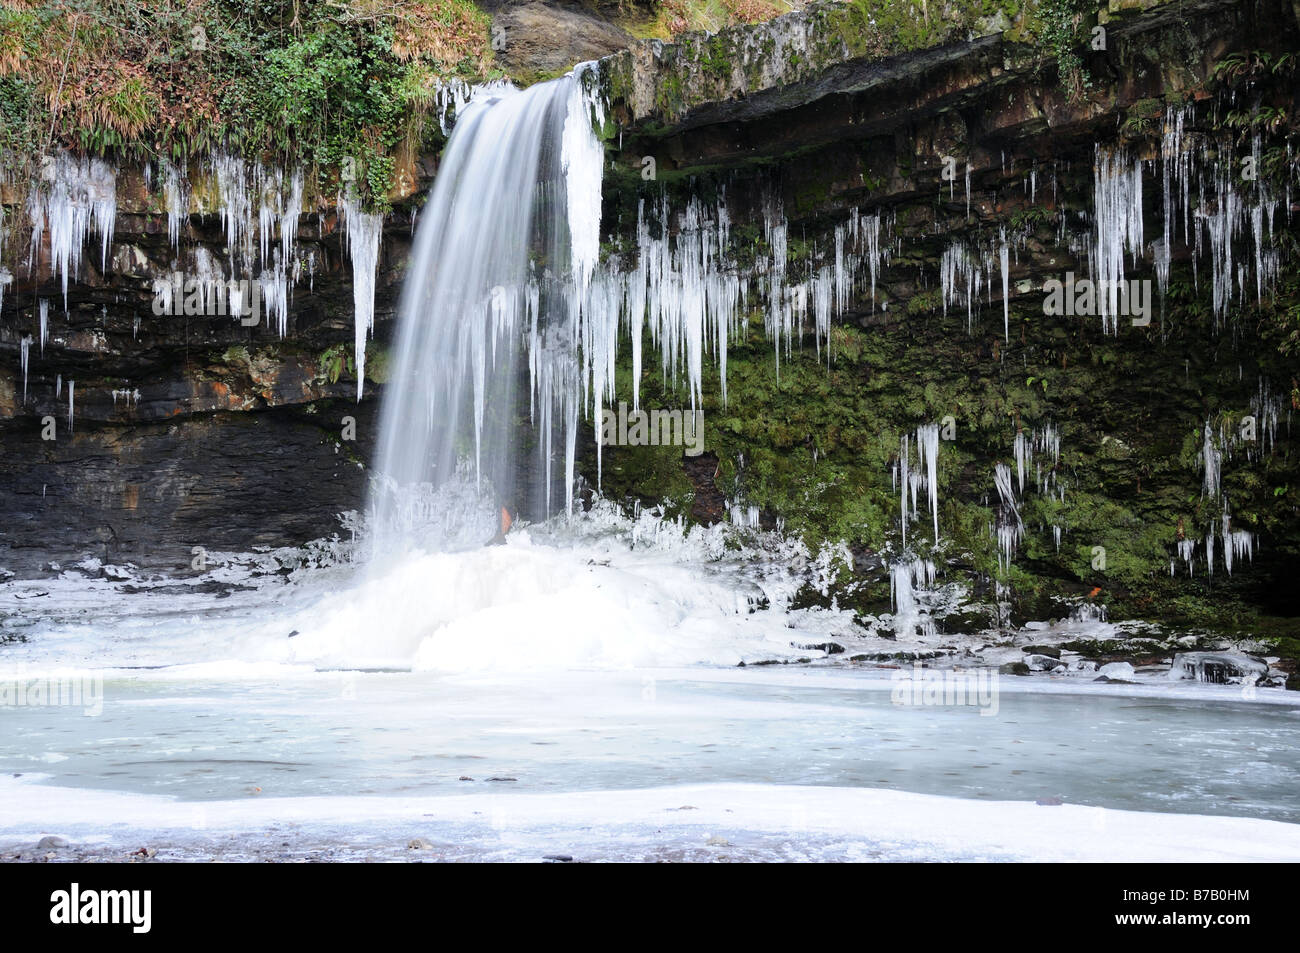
[525, 606]
[595, 590]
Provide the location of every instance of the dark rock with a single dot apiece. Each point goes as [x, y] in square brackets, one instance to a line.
[152, 492]
[1043, 663]
[830, 648]
[544, 39]
[1051, 651]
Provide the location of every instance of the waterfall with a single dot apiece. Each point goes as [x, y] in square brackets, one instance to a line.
[505, 249]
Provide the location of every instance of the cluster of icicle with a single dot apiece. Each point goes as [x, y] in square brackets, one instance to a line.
[1229, 212]
[909, 480]
[74, 198]
[1252, 436]
[907, 578]
[966, 271]
[260, 207]
[683, 284]
[1030, 449]
[1237, 544]
[909, 572]
[1217, 444]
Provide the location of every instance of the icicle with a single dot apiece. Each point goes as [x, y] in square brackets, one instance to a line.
[927, 448]
[1009, 524]
[906, 578]
[363, 231]
[24, 346]
[1005, 263]
[904, 485]
[1023, 453]
[177, 201]
[1211, 461]
[1117, 215]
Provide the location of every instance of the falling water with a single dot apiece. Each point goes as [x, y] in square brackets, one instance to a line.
[506, 246]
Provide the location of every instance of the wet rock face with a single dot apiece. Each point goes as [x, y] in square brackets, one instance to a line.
[135, 436]
[794, 84]
[150, 493]
[539, 40]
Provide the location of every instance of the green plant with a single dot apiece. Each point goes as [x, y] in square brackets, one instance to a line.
[334, 362]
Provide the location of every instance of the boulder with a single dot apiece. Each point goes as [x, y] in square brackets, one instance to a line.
[1043, 663]
[1116, 672]
[1219, 668]
[541, 40]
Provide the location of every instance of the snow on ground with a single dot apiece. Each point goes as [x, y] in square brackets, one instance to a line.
[718, 821]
